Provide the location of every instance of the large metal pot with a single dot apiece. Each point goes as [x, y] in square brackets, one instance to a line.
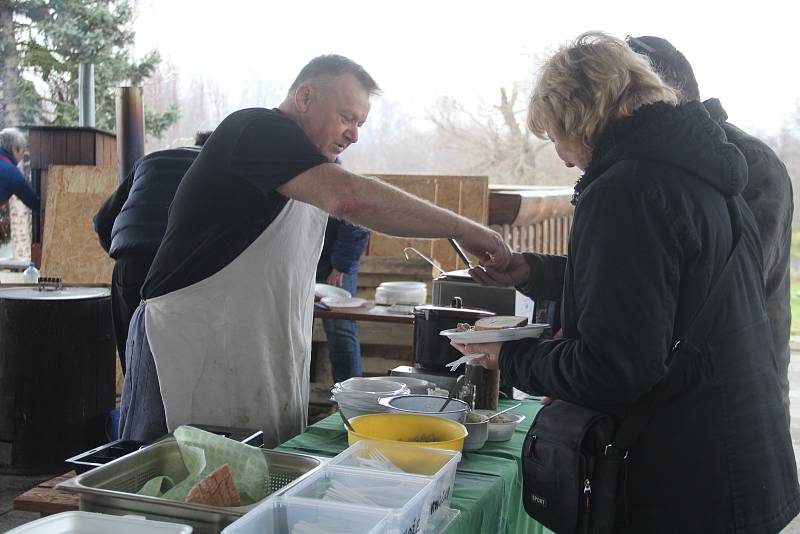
[432, 350]
[57, 374]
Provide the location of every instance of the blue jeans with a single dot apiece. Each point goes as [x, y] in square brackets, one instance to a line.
[141, 408]
[343, 343]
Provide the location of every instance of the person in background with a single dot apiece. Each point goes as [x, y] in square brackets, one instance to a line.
[12, 182]
[131, 223]
[658, 211]
[223, 333]
[343, 247]
[768, 192]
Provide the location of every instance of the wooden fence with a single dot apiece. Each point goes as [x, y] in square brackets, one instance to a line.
[532, 219]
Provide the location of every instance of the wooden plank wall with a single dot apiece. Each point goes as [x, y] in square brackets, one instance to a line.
[465, 195]
[65, 146]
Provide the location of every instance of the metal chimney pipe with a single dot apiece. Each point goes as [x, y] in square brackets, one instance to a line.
[86, 94]
[130, 129]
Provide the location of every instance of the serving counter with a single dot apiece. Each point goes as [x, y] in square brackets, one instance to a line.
[488, 485]
[487, 491]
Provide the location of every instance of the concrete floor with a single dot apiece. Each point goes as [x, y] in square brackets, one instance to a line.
[11, 486]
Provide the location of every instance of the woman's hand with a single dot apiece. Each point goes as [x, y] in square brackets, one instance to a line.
[491, 351]
[515, 273]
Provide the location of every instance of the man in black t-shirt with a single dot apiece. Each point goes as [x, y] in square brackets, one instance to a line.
[223, 335]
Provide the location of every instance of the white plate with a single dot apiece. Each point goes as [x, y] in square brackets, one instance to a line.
[492, 336]
[325, 290]
[339, 302]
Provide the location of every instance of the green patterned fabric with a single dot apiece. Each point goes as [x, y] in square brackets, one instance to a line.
[202, 452]
[488, 486]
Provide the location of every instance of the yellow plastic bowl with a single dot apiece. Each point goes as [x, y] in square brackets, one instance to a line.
[408, 429]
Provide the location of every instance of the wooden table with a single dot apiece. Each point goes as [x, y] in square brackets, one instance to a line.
[368, 312]
[46, 499]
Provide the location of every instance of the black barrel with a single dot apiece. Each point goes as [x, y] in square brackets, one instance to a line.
[57, 375]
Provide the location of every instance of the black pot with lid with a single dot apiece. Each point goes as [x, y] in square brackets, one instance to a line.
[432, 350]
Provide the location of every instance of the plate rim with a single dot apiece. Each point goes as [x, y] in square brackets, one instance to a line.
[339, 290]
[333, 304]
[453, 335]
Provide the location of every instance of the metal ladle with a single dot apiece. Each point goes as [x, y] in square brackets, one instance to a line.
[424, 257]
[346, 422]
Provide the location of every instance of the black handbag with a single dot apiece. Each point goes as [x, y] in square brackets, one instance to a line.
[574, 458]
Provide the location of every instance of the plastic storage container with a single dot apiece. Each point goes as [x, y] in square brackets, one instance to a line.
[112, 488]
[90, 523]
[286, 515]
[437, 464]
[406, 498]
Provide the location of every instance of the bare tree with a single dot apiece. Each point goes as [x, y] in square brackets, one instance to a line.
[495, 141]
[11, 77]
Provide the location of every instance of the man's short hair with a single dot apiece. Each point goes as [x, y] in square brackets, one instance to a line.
[589, 84]
[201, 137]
[669, 63]
[334, 65]
[12, 138]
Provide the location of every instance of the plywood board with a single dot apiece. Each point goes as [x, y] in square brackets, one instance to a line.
[465, 195]
[70, 249]
[383, 245]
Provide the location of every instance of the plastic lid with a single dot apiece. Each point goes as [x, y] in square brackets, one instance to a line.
[66, 293]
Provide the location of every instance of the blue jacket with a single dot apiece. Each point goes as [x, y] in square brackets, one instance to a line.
[13, 183]
[134, 218]
[344, 245]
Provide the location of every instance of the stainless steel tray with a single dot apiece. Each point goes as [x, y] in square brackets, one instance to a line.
[111, 488]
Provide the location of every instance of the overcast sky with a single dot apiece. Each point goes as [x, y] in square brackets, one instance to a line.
[419, 51]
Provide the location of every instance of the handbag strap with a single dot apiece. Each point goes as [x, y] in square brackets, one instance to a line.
[683, 351]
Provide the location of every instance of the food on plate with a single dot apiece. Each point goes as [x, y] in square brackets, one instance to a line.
[498, 322]
[216, 489]
[473, 417]
[464, 327]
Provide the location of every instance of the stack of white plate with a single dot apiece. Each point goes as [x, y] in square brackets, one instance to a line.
[361, 396]
[413, 293]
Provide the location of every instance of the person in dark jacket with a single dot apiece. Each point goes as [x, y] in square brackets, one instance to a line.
[652, 231]
[12, 182]
[768, 192]
[342, 249]
[131, 223]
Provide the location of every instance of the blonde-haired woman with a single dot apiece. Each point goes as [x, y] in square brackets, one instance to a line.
[655, 212]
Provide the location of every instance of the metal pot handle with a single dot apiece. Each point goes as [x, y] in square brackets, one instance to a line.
[424, 257]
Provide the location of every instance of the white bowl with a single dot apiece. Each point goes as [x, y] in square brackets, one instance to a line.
[455, 410]
[417, 386]
[502, 431]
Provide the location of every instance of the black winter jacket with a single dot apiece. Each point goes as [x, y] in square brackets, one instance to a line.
[651, 233]
[769, 196]
[132, 221]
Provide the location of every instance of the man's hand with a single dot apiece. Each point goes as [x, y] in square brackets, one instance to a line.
[491, 360]
[487, 245]
[336, 278]
[516, 272]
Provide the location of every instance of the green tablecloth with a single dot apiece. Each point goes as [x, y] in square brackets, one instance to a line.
[488, 486]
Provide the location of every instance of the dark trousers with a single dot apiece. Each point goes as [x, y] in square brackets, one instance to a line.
[126, 284]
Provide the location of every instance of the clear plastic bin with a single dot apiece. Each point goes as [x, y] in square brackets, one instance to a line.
[91, 523]
[407, 498]
[300, 516]
[437, 464]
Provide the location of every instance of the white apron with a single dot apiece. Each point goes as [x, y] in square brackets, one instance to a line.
[235, 349]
